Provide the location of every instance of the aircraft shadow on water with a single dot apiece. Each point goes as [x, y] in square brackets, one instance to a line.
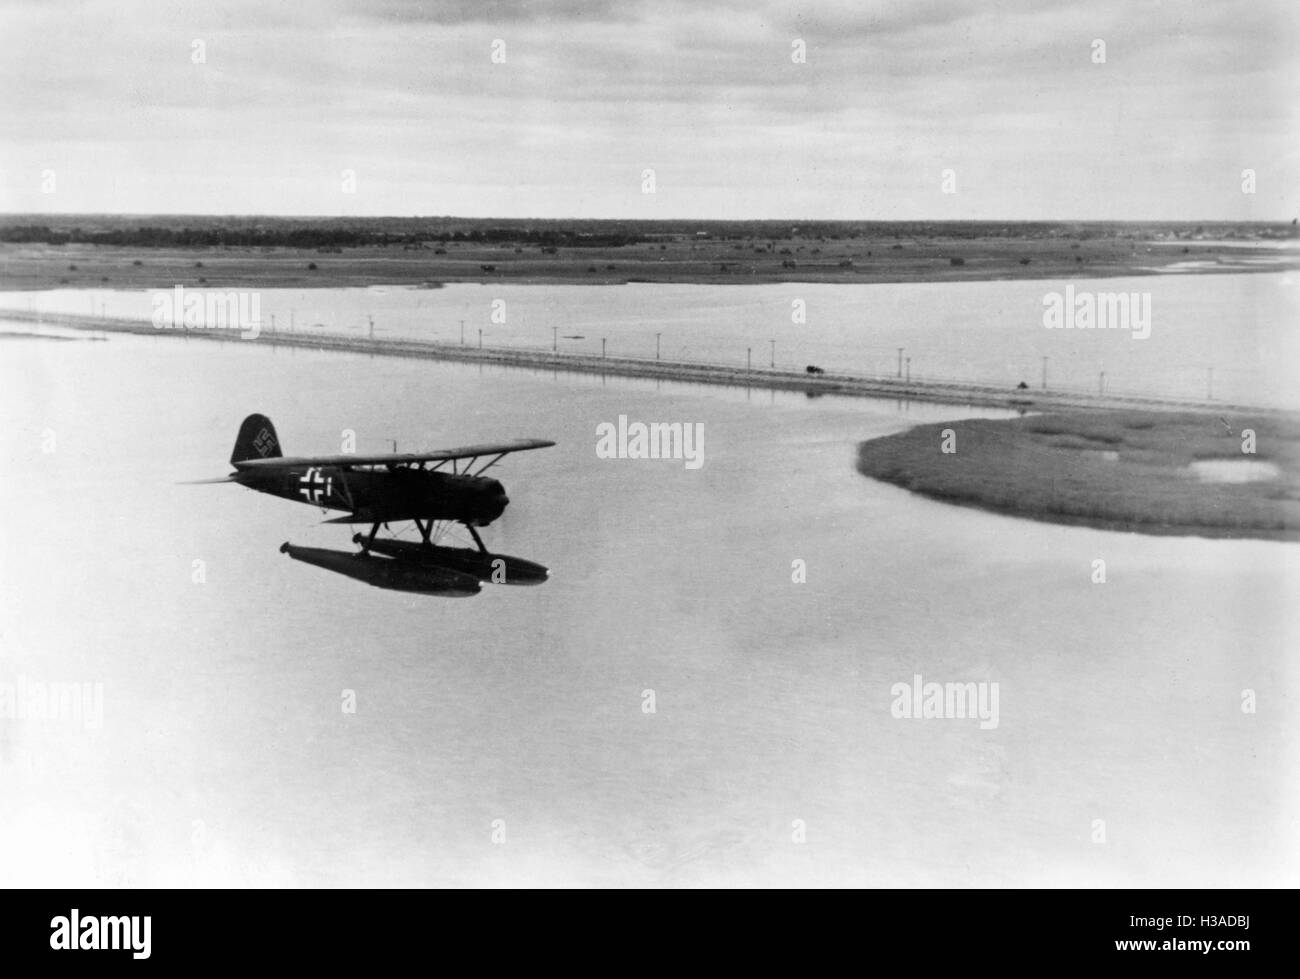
[434, 490]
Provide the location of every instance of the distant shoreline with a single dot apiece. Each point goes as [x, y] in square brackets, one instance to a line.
[875, 257]
[1129, 471]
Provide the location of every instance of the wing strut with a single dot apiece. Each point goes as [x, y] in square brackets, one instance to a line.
[492, 462]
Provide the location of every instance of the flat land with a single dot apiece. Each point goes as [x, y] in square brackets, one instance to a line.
[84, 252]
[1145, 472]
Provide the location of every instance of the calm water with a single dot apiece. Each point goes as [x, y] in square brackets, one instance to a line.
[224, 756]
[1240, 327]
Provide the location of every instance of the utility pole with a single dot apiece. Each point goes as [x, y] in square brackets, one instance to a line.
[909, 370]
[272, 322]
[480, 338]
[372, 326]
[657, 336]
[1044, 373]
[555, 339]
[462, 333]
[773, 343]
[900, 361]
[748, 359]
[602, 348]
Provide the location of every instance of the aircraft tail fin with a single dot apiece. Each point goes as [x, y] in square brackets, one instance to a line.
[256, 440]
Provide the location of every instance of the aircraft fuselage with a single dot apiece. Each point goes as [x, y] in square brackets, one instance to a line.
[383, 495]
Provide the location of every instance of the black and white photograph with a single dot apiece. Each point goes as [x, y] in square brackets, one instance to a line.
[642, 446]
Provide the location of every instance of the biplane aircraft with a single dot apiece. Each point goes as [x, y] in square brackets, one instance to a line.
[433, 490]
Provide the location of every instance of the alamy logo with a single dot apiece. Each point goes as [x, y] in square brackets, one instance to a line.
[1098, 311]
[103, 932]
[36, 700]
[182, 309]
[923, 701]
[656, 440]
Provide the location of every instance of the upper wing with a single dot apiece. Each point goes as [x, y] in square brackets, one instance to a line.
[351, 459]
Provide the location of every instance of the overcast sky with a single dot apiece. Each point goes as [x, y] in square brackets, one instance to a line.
[406, 95]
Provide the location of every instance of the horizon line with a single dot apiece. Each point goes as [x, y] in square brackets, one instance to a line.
[639, 220]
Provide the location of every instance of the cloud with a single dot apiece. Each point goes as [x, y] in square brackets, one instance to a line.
[589, 94]
[499, 12]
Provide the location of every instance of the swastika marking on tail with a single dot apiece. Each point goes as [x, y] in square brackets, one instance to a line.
[264, 443]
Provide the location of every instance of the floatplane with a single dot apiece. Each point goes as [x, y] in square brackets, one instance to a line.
[434, 490]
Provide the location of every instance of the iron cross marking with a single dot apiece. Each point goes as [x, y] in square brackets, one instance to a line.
[315, 487]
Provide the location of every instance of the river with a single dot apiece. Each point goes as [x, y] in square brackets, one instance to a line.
[509, 738]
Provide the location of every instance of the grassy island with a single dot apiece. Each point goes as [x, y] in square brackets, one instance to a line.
[1147, 472]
